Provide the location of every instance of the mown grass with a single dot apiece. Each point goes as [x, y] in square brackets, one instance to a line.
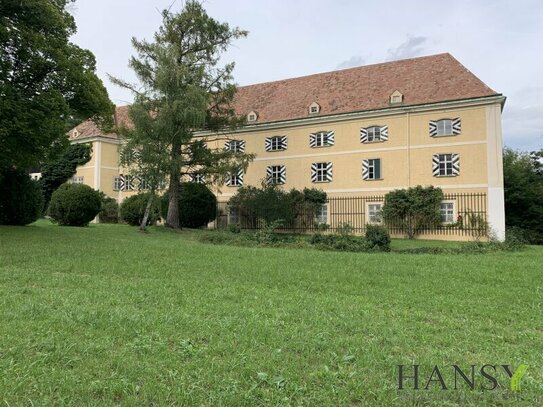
[106, 315]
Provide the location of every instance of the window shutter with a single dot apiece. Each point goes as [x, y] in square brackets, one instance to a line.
[363, 135]
[240, 176]
[269, 174]
[228, 180]
[384, 133]
[314, 172]
[432, 125]
[283, 174]
[456, 164]
[312, 140]
[283, 142]
[268, 144]
[435, 165]
[227, 145]
[331, 138]
[456, 126]
[328, 171]
[365, 169]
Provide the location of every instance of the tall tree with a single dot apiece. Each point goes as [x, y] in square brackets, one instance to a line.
[523, 188]
[46, 83]
[183, 89]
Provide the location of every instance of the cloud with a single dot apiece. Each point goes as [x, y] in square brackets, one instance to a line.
[355, 60]
[410, 48]
[523, 119]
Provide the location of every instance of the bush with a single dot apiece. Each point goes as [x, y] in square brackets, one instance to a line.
[340, 242]
[197, 205]
[377, 237]
[21, 199]
[234, 228]
[74, 205]
[109, 212]
[133, 208]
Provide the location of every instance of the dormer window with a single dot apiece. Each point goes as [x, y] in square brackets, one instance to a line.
[314, 108]
[252, 116]
[75, 133]
[396, 98]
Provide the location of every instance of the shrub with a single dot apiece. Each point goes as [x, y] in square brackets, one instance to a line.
[377, 237]
[133, 208]
[267, 233]
[109, 212]
[21, 199]
[74, 205]
[197, 205]
[414, 209]
[339, 242]
[234, 228]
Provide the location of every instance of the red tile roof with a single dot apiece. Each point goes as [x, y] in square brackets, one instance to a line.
[89, 129]
[429, 79]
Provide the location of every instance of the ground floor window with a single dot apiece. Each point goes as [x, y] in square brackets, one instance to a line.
[447, 212]
[374, 213]
[233, 215]
[77, 180]
[322, 215]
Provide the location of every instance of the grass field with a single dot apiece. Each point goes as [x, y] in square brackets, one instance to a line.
[106, 315]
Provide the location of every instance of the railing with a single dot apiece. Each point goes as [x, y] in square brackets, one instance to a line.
[469, 216]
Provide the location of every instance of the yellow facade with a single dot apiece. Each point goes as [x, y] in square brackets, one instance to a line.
[406, 155]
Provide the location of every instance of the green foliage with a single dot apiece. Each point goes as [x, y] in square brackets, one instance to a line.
[132, 209]
[268, 232]
[57, 172]
[197, 205]
[21, 199]
[182, 90]
[523, 187]
[74, 205]
[414, 209]
[109, 211]
[270, 203]
[339, 242]
[47, 83]
[234, 228]
[377, 236]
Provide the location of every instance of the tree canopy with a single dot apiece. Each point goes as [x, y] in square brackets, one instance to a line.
[47, 83]
[183, 89]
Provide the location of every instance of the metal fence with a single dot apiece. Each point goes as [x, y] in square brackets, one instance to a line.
[469, 216]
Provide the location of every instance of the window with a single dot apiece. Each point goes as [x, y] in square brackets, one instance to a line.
[235, 179]
[233, 215]
[373, 134]
[314, 108]
[322, 215]
[445, 127]
[371, 169]
[252, 116]
[321, 172]
[374, 213]
[77, 180]
[144, 185]
[197, 178]
[447, 212]
[235, 146]
[276, 174]
[276, 143]
[129, 183]
[396, 97]
[321, 139]
[118, 183]
[446, 165]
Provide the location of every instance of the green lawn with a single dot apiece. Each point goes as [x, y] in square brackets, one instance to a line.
[106, 315]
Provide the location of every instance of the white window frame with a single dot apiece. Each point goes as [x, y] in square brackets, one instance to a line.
[235, 180]
[322, 172]
[447, 212]
[276, 143]
[275, 176]
[235, 146]
[445, 164]
[322, 215]
[374, 134]
[444, 127]
[375, 216]
[79, 179]
[371, 169]
[117, 183]
[129, 183]
[322, 139]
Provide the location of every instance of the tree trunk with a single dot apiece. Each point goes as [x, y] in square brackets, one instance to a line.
[145, 219]
[172, 219]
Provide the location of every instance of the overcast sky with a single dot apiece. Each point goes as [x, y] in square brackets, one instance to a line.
[499, 41]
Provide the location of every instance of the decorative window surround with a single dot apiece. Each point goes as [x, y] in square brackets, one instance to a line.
[446, 165]
[321, 172]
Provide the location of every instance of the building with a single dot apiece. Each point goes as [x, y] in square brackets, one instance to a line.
[356, 132]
